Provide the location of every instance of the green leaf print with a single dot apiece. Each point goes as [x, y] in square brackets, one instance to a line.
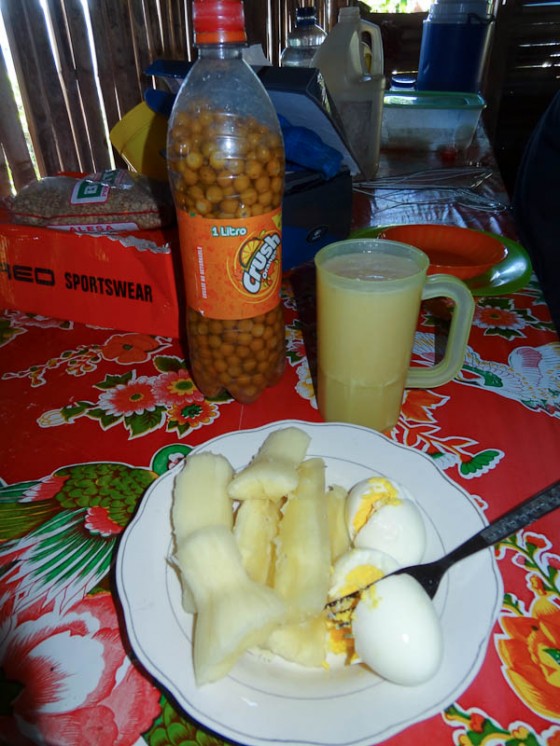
[138, 424]
[554, 653]
[111, 381]
[481, 462]
[72, 411]
[167, 363]
[106, 419]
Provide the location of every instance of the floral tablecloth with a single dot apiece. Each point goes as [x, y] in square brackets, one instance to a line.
[90, 417]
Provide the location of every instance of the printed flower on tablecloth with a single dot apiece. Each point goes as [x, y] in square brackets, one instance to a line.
[135, 396]
[530, 644]
[58, 534]
[83, 508]
[418, 405]
[530, 651]
[497, 316]
[128, 349]
[77, 362]
[176, 387]
[492, 317]
[143, 404]
[500, 317]
[531, 376]
[66, 678]
[124, 349]
[187, 416]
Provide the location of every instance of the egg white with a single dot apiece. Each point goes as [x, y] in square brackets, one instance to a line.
[356, 565]
[381, 515]
[397, 632]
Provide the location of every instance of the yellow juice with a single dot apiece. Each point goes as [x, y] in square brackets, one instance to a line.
[368, 306]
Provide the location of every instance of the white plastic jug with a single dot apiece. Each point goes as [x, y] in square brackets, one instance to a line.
[354, 79]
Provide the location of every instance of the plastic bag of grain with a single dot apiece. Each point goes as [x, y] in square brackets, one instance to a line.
[105, 202]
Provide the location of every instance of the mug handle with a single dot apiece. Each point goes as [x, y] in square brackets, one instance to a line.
[446, 286]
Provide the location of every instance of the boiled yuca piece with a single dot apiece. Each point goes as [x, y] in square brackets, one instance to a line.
[338, 527]
[303, 559]
[200, 495]
[200, 499]
[255, 527]
[304, 643]
[233, 612]
[273, 471]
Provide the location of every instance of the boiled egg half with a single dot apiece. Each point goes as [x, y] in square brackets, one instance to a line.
[354, 570]
[381, 515]
[397, 632]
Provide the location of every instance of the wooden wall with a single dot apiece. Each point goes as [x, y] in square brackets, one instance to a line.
[73, 91]
[79, 71]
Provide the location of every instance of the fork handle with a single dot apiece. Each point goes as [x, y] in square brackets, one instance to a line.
[522, 515]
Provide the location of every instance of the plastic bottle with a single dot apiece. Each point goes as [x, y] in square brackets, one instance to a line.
[456, 37]
[226, 167]
[304, 39]
[356, 84]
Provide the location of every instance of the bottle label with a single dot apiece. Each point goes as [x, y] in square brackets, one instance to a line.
[232, 268]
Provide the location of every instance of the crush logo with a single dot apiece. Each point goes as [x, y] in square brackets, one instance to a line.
[257, 256]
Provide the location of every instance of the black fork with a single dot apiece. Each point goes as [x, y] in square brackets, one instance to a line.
[429, 574]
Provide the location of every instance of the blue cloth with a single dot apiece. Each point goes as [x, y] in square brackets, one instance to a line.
[306, 149]
[536, 204]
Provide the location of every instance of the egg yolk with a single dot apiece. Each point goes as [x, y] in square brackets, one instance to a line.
[380, 492]
[339, 625]
[341, 642]
[358, 577]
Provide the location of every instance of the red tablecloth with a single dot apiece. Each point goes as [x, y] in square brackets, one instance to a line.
[90, 417]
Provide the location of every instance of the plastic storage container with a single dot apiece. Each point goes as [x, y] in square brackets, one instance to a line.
[304, 39]
[456, 38]
[356, 83]
[430, 120]
[226, 166]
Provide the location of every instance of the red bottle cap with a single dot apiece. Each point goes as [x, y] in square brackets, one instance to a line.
[219, 22]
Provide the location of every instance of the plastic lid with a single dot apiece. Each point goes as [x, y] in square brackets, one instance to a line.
[434, 100]
[442, 10]
[219, 22]
[483, 5]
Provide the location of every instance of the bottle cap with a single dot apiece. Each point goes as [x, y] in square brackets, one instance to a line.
[306, 12]
[219, 22]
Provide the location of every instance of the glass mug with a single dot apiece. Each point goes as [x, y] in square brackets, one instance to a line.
[368, 301]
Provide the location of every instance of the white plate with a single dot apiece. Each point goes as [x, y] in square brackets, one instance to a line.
[270, 701]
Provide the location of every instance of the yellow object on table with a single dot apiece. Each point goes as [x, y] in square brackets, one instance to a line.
[140, 138]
